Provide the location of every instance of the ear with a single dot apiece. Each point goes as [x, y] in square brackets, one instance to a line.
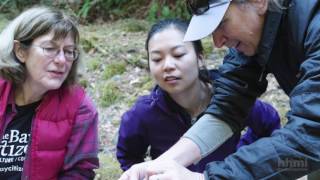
[20, 52]
[201, 62]
[261, 6]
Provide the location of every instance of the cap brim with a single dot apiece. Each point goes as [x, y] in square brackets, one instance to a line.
[202, 25]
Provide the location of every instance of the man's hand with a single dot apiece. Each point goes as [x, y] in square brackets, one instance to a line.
[171, 170]
[137, 171]
[160, 170]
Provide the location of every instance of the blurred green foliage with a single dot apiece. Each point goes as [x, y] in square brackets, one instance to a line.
[167, 9]
[92, 10]
[114, 69]
[110, 94]
[147, 82]
[133, 25]
[109, 168]
[3, 22]
[94, 63]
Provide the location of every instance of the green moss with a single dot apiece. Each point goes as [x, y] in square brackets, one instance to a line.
[147, 83]
[207, 46]
[113, 69]
[94, 64]
[110, 94]
[109, 168]
[139, 60]
[84, 83]
[133, 25]
[115, 123]
[131, 100]
[88, 42]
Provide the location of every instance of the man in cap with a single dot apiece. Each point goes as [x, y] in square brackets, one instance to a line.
[263, 36]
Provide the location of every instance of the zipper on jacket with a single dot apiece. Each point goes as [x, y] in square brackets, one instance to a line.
[262, 73]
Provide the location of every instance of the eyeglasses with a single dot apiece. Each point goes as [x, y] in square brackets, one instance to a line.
[52, 52]
[199, 7]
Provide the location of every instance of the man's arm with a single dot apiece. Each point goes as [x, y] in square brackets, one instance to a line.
[234, 94]
[186, 151]
[295, 149]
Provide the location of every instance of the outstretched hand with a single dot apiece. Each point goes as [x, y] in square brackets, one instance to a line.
[160, 170]
[137, 171]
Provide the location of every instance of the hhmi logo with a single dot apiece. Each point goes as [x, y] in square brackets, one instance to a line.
[293, 164]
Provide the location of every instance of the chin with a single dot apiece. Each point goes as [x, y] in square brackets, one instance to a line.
[53, 85]
[174, 91]
[249, 52]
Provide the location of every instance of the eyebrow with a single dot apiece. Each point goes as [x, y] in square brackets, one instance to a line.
[55, 43]
[178, 46]
[173, 48]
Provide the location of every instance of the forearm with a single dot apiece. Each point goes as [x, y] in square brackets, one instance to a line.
[184, 152]
[208, 134]
[201, 139]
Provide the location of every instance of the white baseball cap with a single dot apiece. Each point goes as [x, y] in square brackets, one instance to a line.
[204, 24]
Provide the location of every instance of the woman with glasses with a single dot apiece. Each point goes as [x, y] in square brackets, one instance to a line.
[48, 125]
[182, 93]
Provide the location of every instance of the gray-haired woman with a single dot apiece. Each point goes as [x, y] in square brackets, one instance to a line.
[48, 125]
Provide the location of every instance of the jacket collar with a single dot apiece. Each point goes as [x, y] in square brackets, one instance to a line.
[163, 100]
[271, 27]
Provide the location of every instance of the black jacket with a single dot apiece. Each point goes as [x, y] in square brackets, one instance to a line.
[290, 49]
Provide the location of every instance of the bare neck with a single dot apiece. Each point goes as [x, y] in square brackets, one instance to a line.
[194, 100]
[26, 94]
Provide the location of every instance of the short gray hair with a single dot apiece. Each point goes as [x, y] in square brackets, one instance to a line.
[29, 25]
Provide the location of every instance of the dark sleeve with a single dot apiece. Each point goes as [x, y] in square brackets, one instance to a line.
[132, 143]
[294, 150]
[236, 89]
[261, 122]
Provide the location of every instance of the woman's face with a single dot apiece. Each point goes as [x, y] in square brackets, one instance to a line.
[45, 73]
[173, 63]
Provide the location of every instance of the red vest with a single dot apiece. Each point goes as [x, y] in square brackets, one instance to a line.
[50, 131]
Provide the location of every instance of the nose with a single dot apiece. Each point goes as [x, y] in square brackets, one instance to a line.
[219, 39]
[60, 58]
[169, 64]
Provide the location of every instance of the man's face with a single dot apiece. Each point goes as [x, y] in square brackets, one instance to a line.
[241, 27]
